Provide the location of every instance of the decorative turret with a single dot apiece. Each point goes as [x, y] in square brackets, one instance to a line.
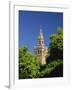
[41, 51]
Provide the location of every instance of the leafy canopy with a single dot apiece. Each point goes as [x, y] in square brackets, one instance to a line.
[56, 45]
[28, 64]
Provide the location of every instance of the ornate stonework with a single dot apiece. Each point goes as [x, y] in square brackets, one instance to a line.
[41, 51]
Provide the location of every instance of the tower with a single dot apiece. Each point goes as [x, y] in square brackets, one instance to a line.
[41, 50]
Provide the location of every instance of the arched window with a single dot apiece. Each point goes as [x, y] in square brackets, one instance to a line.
[39, 51]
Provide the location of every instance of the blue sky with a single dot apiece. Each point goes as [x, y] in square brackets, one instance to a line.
[30, 23]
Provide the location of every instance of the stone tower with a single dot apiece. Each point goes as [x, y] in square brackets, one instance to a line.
[41, 51]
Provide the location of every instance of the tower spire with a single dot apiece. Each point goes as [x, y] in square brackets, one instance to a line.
[41, 34]
[41, 51]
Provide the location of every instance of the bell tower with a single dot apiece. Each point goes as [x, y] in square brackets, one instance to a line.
[41, 51]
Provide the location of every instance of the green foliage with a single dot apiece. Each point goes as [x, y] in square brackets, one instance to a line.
[28, 64]
[56, 45]
[23, 51]
[49, 68]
